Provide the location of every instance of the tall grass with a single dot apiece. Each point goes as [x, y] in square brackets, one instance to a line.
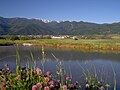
[17, 60]
[93, 81]
[43, 58]
[114, 74]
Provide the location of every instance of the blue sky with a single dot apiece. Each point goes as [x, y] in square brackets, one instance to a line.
[98, 11]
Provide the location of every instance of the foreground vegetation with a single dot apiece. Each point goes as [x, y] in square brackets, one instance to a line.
[31, 77]
[35, 79]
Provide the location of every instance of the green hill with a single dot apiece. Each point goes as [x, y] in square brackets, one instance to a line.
[24, 26]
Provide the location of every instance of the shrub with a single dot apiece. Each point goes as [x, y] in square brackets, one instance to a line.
[14, 38]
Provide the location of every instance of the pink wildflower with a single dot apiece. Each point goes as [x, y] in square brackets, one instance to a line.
[48, 73]
[5, 65]
[87, 85]
[39, 71]
[51, 82]
[34, 87]
[56, 85]
[11, 81]
[52, 86]
[46, 88]
[46, 79]
[4, 79]
[64, 87]
[39, 85]
[10, 71]
[19, 77]
[67, 78]
[3, 70]
[71, 86]
[58, 81]
[3, 85]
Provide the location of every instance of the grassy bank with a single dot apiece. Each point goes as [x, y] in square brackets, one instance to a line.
[6, 43]
[87, 44]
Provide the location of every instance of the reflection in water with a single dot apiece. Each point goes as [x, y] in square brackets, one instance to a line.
[94, 63]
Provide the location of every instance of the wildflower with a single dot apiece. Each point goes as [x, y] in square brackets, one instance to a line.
[5, 65]
[57, 86]
[58, 73]
[10, 71]
[76, 83]
[46, 79]
[70, 86]
[67, 78]
[46, 88]
[64, 87]
[10, 81]
[3, 70]
[19, 77]
[4, 79]
[39, 71]
[3, 85]
[58, 81]
[87, 85]
[52, 86]
[51, 82]
[48, 73]
[39, 86]
[34, 87]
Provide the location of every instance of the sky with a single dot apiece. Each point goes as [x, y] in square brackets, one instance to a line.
[97, 11]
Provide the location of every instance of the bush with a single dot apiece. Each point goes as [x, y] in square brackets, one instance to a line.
[2, 37]
[25, 38]
[14, 38]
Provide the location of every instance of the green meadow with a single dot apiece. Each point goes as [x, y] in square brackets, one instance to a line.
[88, 44]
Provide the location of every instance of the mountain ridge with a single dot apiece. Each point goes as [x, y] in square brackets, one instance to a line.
[32, 26]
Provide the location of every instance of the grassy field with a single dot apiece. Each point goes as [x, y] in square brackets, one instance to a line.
[88, 44]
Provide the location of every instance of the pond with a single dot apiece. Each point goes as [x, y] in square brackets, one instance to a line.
[97, 65]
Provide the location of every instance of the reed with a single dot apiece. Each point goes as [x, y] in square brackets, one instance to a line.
[17, 60]
[93, 82]
[114, 73]
[43, 58]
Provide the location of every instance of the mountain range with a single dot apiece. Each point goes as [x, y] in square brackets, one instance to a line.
[25, 26]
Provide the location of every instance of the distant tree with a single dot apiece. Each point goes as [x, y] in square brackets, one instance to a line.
[25, 38]
[75, 38]
[14, 38]
[2, 37]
